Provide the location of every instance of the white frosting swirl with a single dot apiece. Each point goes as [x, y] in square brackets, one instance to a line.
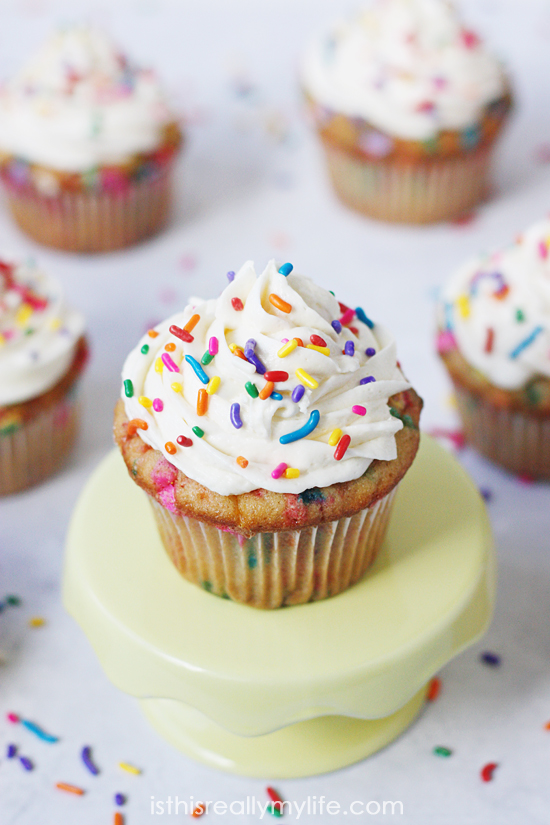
[212, 459]
[497, 310]
[38, 332]
[79, 103]
[408, 67]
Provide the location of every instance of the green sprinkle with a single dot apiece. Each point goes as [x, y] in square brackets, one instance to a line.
[145, 349]
[520, 316]
[207, 586]
[395, 413]
[14, 601]
[9, 429]
[532, 394]
[206, 358]
[408, 422]
[198, 432]
[440, 751]
[251, 389]
[331, 292]
[128, 388]
[274, 811]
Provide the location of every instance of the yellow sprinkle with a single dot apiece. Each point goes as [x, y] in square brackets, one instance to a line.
[335, 437]
[23, 314]
[159, 366]
[37, 621]
[2, 339]
[463, 303]
[213, 385]
[306, 378]
[176, 386]
[129, 768]
[287, 348]
[55, 323]
[323, 350]
[291, 472]
[144, 401]
[235, 348]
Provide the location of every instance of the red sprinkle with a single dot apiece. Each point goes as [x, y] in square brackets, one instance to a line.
[276, 375]
[489, 340]
[487, 771]
[354, 330]
[237, 305]
[181, 333]
[317, 341]
[183, 441]
[434, 689]
[271, 792]
[341, 447]
[343, 307]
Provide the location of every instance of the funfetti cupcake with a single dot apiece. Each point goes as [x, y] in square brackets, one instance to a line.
[42, 354]
[408, 103]
[87, 145]
[270, 428]
[494, 338]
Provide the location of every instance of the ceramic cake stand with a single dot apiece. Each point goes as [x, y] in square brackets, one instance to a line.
[295, 691]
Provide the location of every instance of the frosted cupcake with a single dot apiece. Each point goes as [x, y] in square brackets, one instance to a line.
[270, 428]
[494, 338]
[42, 354]
[87, 145]
[408, 104]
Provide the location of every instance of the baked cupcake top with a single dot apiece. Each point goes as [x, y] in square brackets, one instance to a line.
[273, 385]
[496, 311]
[39, 333]
[79, 103]
[408, 67]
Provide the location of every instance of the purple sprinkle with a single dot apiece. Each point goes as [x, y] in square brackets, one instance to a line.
[367, 380]
[230, 275]
[235, 416]
[298, 392]
[336, 325]
[252, 358]
[26, 762]
[158, 405]
[86, 755]
[491, 659]
[486, 493]
[250, 346]
[120, 799]
[370, 351]
[11, 751]
[349, 348]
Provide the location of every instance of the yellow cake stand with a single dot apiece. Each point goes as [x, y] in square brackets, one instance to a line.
[300, 690]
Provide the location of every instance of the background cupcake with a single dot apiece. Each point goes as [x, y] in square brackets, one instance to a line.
[494, 338]
[270, 428]
[42, 353]
[408, 104]
[87, 145]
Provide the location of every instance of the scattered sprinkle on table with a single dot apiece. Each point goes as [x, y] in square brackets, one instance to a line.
[129, 768]
[37, 730]
[434, 689]
[118, 819]
[86, 756]
[63, 786]
[37, 621]
[199, 810]
[11, 751]
[441, 751]
[120, 799]
[26, 762]
[491, 659]
[487, 771]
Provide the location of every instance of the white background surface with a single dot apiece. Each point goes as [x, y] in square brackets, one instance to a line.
[252, 185]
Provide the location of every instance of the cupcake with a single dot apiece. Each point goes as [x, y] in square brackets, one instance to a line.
[270, 428]
[42, 354]
[408, 104]
[87, 145]
[494, 339]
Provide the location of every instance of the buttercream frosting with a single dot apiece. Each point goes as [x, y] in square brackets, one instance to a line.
[496, 310]
[38, 332]
[234, 436]
[79, 103]
[408, 67]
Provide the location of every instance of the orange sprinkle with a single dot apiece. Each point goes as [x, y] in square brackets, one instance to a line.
[199, 810]
[242, 462]
[502, 292]
[434, 689]
[278, 303]
[152, 333]
[169, 347]
[202, 401]
[118, 819]
[267, 390]
[299, 341]
[192, 323]
[170, 447]
[236, 350]
[136, 424]
[62, 786]
[547, 726]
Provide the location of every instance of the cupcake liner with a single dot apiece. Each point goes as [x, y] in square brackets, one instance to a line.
[31, 449]
[516, 440]
[270, 570]
[94, 221]
[409, 191]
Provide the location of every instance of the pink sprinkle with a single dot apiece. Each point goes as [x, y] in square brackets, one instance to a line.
[167, 361]
[279, 470]
[445, 341]
[348, 316]
[158, 406]
[359, 410]
[456, 437]
[213, 346]
[188, 262]
[284, 341]
[543, 249]
[12, 717]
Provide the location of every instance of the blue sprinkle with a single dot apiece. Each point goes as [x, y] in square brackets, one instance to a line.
[286, 269]
[276, 396]
[491, 659]
[486, 493]
[370, 351]
[526, 342]
[230, 275]
[252, 358]
[362, 317]
[368, 380]
[235, 416]
[250, 346]
[46, 737]
[298, 392]
[120, 799]
[198, 370]
[26, 762]
[11, 751]
[303, 431]
[349, 348]
[336, 326]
